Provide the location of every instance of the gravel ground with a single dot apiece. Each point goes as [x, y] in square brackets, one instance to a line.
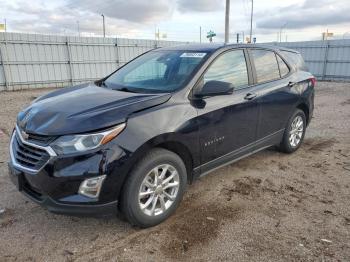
[267, 207]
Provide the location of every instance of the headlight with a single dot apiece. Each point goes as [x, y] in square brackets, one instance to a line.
[80, 143]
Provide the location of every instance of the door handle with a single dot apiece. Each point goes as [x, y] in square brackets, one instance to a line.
[291, 84]
[250, 96]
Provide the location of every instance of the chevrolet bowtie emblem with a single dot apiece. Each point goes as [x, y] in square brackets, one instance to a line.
[24, 135]
[23, 122]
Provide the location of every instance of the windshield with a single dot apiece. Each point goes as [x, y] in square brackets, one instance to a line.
[155, 72]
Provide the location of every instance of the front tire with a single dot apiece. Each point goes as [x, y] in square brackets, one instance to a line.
[154, 189]
[294, 132]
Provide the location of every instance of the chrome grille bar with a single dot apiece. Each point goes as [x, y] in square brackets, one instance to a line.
[27, 156]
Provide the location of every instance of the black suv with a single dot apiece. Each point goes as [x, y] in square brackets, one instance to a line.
[133, 140]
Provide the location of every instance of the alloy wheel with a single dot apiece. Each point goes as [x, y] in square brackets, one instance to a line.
[159, 189]
[296, 131]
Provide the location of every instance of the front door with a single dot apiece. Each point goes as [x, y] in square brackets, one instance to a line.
[227, 123]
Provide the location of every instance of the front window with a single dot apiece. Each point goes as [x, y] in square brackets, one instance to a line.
[156, 72]
[229, 67]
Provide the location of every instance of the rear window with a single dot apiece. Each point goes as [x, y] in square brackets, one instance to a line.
[295, 60]
[229, 67]
[266, 66]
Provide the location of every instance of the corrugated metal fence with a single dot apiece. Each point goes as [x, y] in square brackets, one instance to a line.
[34, 61]
[327, 60]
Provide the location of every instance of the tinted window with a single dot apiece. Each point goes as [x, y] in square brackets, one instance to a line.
[265, 65]
[229, 67]
[284, 70]
[295, 59]
[156, 71]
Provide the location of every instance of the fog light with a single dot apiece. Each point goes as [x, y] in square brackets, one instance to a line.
[91, 187]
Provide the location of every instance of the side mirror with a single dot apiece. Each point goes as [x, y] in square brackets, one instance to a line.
[215, 88]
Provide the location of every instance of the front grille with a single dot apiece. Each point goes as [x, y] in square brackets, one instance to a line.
[28, 156]
[45, 140]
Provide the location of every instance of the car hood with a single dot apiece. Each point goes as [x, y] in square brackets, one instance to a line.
[82, 109]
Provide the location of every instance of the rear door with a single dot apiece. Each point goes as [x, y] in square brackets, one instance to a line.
[275, 99]
[227, 123]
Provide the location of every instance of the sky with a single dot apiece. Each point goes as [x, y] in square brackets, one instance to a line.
[180, 20]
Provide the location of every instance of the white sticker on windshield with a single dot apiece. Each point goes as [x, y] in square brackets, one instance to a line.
[198, 55]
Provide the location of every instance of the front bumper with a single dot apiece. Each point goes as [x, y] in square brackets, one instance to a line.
[55, 184]
[81, 206]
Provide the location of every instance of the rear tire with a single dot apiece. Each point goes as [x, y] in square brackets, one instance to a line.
[294, 133]
[154, 188]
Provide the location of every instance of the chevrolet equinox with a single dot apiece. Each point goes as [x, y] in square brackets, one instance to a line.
[133, 140]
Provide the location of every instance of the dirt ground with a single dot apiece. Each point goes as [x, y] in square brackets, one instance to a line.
[267, 207]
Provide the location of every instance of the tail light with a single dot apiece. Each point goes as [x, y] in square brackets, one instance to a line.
[313, 81]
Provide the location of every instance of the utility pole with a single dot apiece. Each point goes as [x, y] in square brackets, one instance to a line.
[251, 24]
[227, 21]
[155, 36]
[155, 33]
[237, 37]
[283, 26]
[104, 26]
[78, 28]
[200, 34]
[280, 34]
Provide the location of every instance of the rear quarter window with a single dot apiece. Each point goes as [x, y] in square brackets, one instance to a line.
[284, 70]
[295, 60]
[266, 66]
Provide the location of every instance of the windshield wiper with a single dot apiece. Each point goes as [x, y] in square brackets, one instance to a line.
[103, 83]
[125, 89]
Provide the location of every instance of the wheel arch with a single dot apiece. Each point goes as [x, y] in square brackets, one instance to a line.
[183, 152]
[305, 108]
[166, 142]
